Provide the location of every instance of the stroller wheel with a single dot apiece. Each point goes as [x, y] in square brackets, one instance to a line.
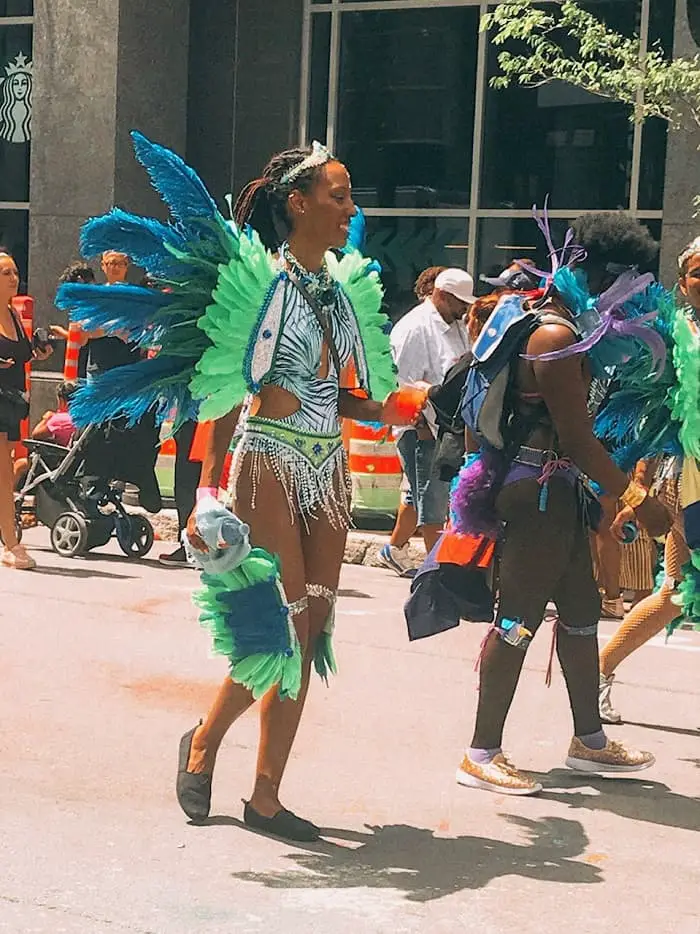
[140, 539]
[69, 535]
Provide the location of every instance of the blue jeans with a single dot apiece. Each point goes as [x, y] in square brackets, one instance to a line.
[429, 496]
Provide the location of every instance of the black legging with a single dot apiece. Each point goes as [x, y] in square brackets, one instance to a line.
[187, 473]
[545, 556]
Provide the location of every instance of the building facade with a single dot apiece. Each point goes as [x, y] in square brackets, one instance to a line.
[445, 167]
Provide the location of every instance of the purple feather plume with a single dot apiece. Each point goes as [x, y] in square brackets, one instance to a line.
[568, 254]
[627, 284]
[472, 503]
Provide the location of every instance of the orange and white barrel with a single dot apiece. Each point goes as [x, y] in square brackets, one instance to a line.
[375, 468]
[73, 347]
[165, 465]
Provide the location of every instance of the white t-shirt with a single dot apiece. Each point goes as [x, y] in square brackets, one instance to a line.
[425, 346]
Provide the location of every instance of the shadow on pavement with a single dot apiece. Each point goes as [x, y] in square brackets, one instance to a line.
[414, 861]
[679, 730]
[355, 593]
[80, 573]
[92, 556]
[636, 798]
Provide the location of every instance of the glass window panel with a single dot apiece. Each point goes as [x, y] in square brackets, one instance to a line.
[405, 246]
[14, 236]
[661, 21]
[16, 7]
[653, 163]
[318, 69]
[557, 139]
[406, 105]
[15, 111]
[503, 239]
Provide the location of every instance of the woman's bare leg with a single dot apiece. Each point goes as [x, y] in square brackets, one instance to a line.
[270, 528]
[405, 526]
[232, 700]
[322, 547]
[7, 500]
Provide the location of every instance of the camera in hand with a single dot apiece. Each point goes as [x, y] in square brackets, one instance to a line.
[42, 340]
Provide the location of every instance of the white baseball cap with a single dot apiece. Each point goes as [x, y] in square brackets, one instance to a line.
[458, 283]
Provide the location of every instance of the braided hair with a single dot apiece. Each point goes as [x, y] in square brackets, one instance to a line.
[263, 202]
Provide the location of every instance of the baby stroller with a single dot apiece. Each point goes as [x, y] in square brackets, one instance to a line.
[66, 491]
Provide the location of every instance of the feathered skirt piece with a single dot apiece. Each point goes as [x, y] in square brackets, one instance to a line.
[247, 614]
[311, 468]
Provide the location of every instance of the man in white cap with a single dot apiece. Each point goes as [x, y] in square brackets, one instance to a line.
[425, 343]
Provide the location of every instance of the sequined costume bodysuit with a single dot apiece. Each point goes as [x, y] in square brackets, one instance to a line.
[298, 361]
[304, 449]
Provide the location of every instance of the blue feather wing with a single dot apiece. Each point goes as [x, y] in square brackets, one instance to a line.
[143, 239]
[178, 185]
[127, 308]
[131, 391]
[357, 232]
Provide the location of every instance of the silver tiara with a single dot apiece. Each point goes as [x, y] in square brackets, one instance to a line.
[319, 155]
[692, 248]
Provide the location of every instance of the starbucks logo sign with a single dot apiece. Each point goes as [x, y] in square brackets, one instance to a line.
[16, 101]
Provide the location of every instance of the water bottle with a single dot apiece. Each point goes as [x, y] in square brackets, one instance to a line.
[630, 532]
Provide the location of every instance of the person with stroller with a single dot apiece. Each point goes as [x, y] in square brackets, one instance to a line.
[15, 353]
[56, 427]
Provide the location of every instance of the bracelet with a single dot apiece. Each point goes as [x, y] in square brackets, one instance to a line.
[634, 494]
[204, 491]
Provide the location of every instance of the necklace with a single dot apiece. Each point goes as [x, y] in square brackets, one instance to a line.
[320, 285]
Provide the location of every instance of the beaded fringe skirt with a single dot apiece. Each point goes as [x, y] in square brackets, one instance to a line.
[311, 468]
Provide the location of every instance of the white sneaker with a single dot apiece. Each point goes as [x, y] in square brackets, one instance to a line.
[613, 758]
[608, 714]
[499, 775]
[18, 559]
[396, 559]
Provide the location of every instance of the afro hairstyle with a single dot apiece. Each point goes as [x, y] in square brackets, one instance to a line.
[615, 237]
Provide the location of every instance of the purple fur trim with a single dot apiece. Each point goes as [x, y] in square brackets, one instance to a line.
[472, 499]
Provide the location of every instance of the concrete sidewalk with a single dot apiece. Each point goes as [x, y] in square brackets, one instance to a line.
[104, 667]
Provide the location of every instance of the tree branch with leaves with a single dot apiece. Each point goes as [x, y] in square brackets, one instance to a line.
[566, 43]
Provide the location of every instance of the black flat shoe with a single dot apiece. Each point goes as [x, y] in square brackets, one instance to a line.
[284, 824]
[193, 789]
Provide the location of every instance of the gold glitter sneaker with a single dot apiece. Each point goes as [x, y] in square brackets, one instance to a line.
[499, 775]
[613, 758]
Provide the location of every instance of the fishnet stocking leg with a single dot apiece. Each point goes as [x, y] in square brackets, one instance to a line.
[652, 614]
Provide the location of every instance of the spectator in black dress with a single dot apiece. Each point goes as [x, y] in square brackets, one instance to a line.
[15, 353]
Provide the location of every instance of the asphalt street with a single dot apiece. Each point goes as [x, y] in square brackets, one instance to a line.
[103, 667]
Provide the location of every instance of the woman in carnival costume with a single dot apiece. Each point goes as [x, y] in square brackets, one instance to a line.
[529, 411]
[260, 307]
[663, 429]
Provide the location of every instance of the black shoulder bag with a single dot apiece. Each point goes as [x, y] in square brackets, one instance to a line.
[14, 403]
[318, 314]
